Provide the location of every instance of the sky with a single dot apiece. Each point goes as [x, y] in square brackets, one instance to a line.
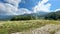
[19, 7]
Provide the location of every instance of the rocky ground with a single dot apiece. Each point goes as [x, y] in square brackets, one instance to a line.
[47, 29]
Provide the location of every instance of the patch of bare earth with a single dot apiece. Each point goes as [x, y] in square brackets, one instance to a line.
[47, 29]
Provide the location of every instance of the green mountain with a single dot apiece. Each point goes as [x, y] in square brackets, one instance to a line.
[53, 15]
[31, 16]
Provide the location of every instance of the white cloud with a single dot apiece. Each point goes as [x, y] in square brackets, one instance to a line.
[24, 11]
[41, 6]
[9, 9]
[14, 2]
[57, 10]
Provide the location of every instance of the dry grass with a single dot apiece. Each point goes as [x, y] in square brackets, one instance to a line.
[7, 27]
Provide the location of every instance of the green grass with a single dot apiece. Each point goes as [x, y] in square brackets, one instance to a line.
[7, 27]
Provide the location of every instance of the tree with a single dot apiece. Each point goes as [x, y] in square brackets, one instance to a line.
[23, 17]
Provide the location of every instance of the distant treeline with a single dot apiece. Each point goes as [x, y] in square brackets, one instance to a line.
[50, 16]
[53, 16]
[23, 17]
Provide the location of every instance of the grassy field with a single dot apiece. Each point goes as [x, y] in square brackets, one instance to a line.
[7, 27]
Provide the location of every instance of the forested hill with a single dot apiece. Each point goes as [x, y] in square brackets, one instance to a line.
[53, 15]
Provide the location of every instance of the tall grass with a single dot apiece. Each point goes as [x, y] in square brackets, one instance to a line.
[7, 27]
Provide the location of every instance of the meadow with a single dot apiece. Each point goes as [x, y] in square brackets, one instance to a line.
[8, 27]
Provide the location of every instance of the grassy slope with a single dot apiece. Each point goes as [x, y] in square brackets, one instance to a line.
[7, 27]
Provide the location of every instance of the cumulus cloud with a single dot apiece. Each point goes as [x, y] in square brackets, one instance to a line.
[57, 10]
[24, 11]
[7, 9]
[11, 8]
[13, 2]
[42, 6]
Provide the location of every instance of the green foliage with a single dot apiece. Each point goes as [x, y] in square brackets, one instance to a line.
[3, 31]
[23, 17]
[53, 16]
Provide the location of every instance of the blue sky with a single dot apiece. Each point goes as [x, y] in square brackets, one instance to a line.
[30, 3]
[15, 7]
[55, 4]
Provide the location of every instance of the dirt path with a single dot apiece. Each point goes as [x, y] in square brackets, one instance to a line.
[47, 29]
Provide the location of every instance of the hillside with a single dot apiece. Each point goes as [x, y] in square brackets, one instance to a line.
[29, 16]
[42, 15]
[32, 16]
[53, 15]
[5, 17]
